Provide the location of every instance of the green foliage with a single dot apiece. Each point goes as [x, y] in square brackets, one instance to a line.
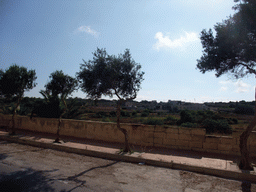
[106, 119]
[232, 121]
[73, 111]
[100, 114]
[8, 109]
[61, 85]
[174, 109]
[220, 126]
[188, 124]
[16, 80]
[56, 90]
[145, 113]
[154, 121]
[170, 120]
[112, 113]
[24, 110]
[186, 116]
[49, 108]
[125, 114]
[134, 114]
[244, 109]
[110, 75]
[232, 49]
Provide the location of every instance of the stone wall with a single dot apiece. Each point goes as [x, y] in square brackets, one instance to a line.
[144, 135]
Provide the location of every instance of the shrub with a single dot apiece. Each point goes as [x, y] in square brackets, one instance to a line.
[106, 119]
[170, 120]
[232, 121]
[154, 121]
[112, 113]
[188, 124]
[244, 109]
[125, 114]
[220, 126]
[100, 114]
[134, 113]
[145, 113]
[186, 116]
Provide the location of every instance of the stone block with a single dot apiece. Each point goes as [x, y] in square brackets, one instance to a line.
[172, 130]
[159, 135]
[211, 139]
[149, 134]
[252, 148]
[158, 140]
[169, 141]
[182, 143]
[184, 137]
[159, 129]
[184, 131]
[236, 148]
[210, 146]
[198, 131]
[223, 147]
[195, 144]
[149, 128]
[172, 136]
[236, 134]
[148, 140]
[228, 140]
[198, 138]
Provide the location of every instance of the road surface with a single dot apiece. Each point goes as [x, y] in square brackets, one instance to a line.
[26, 168]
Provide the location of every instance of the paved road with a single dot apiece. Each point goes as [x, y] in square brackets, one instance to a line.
[26, 168]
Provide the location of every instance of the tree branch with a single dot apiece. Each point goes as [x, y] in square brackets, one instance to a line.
[249, 69]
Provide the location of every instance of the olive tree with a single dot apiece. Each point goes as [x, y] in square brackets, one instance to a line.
[14, 81]
[58, 89]
[111, 75]
[233, 50]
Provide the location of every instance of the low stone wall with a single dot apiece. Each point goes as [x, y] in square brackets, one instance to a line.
[144, 135]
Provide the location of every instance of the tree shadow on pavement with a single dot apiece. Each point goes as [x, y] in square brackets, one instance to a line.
[246, 186]
[27, 180]
[82, 183]
[3, 156]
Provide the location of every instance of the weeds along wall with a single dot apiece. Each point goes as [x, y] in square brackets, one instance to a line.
[143, 135]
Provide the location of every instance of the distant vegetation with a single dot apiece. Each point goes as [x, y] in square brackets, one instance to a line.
[146, 113]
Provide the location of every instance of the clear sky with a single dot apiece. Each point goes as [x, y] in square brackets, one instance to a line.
[162, 35]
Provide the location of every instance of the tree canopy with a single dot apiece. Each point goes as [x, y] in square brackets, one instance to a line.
[61, 84]
[16, 80]
[111, 75]
[233, 48]
[59, 87]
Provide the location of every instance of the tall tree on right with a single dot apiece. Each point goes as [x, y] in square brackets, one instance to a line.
[233, 50]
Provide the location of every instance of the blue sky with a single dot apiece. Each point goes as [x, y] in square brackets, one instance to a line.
[163, 36]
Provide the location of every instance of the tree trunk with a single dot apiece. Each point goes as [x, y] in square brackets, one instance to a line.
[245, 160]
[13, 131]
[124, 131]
[57, 140]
